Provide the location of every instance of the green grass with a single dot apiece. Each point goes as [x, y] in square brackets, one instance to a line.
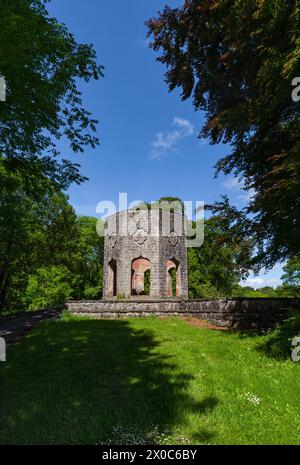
[80, 381]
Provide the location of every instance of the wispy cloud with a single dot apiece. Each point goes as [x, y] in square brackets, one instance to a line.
[258, 282]
[203, 142]
[142, 42]
[265, 278]
[233, 184]
[237, 185]
[247, 196]
[166, 142]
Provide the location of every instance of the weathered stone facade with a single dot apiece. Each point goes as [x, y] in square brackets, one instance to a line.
[141, 241]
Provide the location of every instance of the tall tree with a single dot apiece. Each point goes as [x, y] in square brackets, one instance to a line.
[236, 59]
[88, 255]
[34, 232]
[46, 252]
[216, 267]
[42, 64]
[291, 278]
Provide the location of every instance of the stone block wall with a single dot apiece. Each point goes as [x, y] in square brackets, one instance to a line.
[231, 313]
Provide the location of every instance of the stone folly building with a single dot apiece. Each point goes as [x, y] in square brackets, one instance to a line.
[146, 274]
[145, 254]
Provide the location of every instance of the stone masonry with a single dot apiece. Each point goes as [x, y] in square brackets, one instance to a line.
[232, 313]
[141, 241]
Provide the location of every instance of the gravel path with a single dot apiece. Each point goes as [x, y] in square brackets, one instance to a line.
[12, 329]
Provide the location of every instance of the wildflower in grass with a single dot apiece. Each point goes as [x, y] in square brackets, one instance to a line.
[252, 398]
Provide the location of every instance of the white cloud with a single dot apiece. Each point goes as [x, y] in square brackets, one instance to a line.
[272, 278]
[233, 184]
[254, 282]
[259, 282]
[246, 196]
[265, 278]
[166, 142]
[237, 185]
[186, 127]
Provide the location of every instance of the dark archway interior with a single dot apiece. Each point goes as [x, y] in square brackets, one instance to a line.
[112, 278]
[173, 278]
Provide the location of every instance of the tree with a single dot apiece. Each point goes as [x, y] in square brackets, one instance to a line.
[216, 267]
[48, 287]
[236, 60]
[248, 291]
[34, 232]
[42, 64]
[88, 256]
[42, 241]
[291, 279]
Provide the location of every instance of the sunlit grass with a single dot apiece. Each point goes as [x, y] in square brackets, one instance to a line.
[139, 381]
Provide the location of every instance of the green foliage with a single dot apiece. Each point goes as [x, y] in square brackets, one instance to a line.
[170, 203]
[279, 343]
[120, 296]
[268, 291]
[237, 60]
[42, 232]
[164, 203]
[217, 266]
[43, 64]
[147, 282]
[291, 279]
[173, 274]
[247, 291]
[87, 259]
[35, 231]
[291, 270]
[48, 287]
[93, 293]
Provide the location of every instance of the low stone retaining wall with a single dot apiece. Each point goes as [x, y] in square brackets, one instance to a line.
[231, 313]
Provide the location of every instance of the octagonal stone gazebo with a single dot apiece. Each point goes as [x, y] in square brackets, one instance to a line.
[145, 254]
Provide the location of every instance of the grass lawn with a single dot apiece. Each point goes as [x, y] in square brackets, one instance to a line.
[81, 381]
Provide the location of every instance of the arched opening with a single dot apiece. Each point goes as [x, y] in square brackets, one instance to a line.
[140, 276]
[173, 278]
[112, 278]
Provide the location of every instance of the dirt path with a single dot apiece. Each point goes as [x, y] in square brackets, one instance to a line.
[12, 329]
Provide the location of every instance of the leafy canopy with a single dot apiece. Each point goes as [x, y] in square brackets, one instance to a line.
[216, 267]
[43, 64]
[44, 245]
[236, 60]
[291, 278]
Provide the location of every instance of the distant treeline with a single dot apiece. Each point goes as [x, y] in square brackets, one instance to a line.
[49, 254]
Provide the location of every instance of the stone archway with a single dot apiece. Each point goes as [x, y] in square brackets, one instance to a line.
[140, 276]
[173, 278]
[112, 279]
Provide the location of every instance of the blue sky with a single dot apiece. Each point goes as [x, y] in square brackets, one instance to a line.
[149, 145]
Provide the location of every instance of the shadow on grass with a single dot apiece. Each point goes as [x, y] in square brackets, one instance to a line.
[89, 382]
[278, 341]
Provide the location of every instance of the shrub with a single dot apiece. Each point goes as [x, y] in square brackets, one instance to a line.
[93, 292]
[48, 287]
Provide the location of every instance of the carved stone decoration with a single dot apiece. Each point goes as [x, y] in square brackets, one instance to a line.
[143, 255]
[140, 236]
[112, 240]
[173, 238]
[137, 225]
